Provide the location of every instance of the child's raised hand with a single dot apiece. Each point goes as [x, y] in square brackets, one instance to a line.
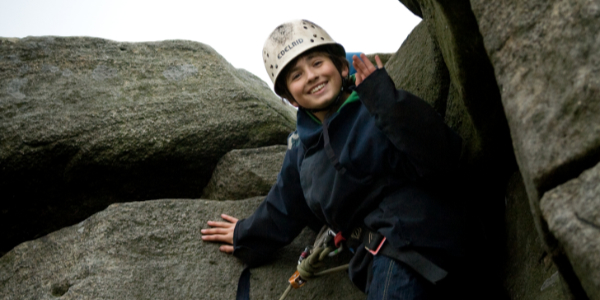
[364, 67]
[221, 232]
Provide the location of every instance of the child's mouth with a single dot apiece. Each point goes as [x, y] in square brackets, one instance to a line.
[318, 88]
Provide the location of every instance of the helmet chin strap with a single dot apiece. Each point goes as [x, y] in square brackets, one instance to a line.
[334, 102]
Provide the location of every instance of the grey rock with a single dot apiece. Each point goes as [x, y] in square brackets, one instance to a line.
[180, 72]
[384, 57]
[544, 59]
[153, 250]
[454, 29]
[85, 122]
[449, 67]
[544, 55]
[245, 173]
[458, 118]
[15, 86]
[418, 67]
[528, 270]
[103, 72]
[572, 211]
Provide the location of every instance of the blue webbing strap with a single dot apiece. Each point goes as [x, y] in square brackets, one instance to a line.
[243, 290]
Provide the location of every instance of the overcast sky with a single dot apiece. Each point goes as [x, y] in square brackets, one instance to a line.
[235, 29]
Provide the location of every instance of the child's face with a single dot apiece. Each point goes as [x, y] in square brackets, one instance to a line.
[314, 81]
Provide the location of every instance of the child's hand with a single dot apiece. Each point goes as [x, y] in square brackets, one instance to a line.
[364, 67]
[221, 232]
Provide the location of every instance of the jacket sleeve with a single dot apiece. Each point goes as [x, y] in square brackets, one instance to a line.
[430, 147]
[278, 220]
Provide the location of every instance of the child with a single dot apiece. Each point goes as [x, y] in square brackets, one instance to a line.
[364, 155]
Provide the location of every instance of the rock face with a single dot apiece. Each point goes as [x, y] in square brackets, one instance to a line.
[529, 66]
[85, 122]
[241, 174]
[529, 271]
[81, 122]
[572, 211]
[153, 250]
[545, 60]
[420, 69]
[547, 103]
[445, 62]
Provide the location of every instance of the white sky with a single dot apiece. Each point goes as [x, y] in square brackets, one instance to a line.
[236, 29]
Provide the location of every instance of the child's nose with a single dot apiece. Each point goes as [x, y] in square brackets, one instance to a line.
[311, 75]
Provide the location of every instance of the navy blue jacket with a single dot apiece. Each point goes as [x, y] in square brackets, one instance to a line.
[384, 158]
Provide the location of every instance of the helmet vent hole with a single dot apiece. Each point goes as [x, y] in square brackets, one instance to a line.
[312, 41]
[322, 39]
[313, 26]
[314, 35]
[271, 66]
[305, 27]
[267, 54]
[276, 66]
[272, 74]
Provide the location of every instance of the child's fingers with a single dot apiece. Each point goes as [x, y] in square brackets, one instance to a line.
[378, 61]
[368, 63]
[229, 218]
[216, 230]
[215, 238]
[221, 232]
[220, 224]
[358, 78]
[226, 249]
[358, 64]
[360, 70]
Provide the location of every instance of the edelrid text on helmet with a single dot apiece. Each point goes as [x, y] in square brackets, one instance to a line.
[291, 39]
[289, 47]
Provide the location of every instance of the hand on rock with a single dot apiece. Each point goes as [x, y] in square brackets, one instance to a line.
[221, 232]
[364, 67]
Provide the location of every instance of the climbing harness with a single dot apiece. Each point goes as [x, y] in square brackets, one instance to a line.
[329, 243]
[375, 243]
[312, 259]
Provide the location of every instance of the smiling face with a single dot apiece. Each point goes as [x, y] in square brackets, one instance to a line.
[314, 81]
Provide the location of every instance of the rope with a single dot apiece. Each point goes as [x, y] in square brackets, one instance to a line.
[308, 267]
[287, 291]
[325, 272]
[333, 270]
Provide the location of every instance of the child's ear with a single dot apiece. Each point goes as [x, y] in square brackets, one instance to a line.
[345, 71]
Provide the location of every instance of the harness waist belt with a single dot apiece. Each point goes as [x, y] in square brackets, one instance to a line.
[375, 243]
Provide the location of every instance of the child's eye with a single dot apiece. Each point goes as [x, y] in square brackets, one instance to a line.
[318, 63]
[295, 76]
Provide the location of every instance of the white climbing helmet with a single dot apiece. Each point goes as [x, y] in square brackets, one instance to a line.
[291, 39]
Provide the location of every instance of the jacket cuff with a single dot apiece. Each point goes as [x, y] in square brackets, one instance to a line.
[373, 88]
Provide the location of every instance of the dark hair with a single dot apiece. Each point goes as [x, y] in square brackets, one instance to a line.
[338, 61]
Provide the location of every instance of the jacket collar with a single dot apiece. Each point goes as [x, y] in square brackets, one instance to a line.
[310, 128]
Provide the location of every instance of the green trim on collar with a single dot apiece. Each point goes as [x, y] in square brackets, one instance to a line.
[313, 117]
[352, 98]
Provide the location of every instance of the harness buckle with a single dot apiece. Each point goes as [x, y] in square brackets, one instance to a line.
[375, 242]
